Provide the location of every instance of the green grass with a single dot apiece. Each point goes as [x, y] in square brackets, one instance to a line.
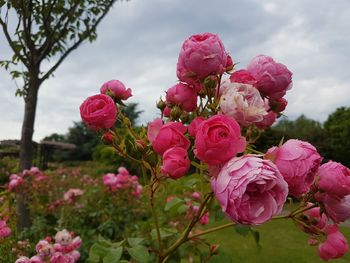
[281, 242]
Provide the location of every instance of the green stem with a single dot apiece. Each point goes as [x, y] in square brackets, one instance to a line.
[210, 230]
[155, 217]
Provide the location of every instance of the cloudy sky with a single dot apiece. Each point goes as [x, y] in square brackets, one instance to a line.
[139, 41]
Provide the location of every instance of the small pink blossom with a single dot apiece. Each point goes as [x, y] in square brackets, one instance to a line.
[117, 89]
[182, 95]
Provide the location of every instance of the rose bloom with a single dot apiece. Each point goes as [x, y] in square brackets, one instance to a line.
[338, 209]
[117, 89]
[334, 178]
[298, 162]
[201, 55]
[5, 231]
[44, 248]
[229, 63]
[72, 194]
[23, 260]
[193, 127]
[170, 135]
[218, 139]
[63, 237]
[335, 246]
[175, 162]
[99, 112]
[243, 76]
[182, 95]
[315, 217]
[36, 259]
[273, 79]
[58, 257]
[278, 105]
[242, 102]
[250, 190]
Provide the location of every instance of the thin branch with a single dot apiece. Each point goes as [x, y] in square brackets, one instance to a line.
[76, 44]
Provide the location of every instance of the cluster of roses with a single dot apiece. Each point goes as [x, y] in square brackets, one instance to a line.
[69, 197]
[123, 180]
[5, 231]
[18, 179]
[64, 250]
[205, 116]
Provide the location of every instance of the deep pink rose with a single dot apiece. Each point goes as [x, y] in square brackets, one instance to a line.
[99, 112]
[166, 111]
[338, 209]
[117, 89]
[175, 162]
[58, 257]
[242, 102]
[229, 63]
[268, 119]
[193, 127]
[218, 139]
[182, 95]
[335, 246]
[243, 76]
[170, 135]
[334, 178]
[109, 179]
[5, 231]
[273, 79]
[204, 220]
[298, 162]
[200, 56]
[278, 105]
[250, 190]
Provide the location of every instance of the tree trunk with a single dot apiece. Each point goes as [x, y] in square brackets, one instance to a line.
[26, 150]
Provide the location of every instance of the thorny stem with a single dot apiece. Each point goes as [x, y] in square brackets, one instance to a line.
[154, 187]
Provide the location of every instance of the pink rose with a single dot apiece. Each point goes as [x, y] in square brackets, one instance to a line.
[117, 89]
[242, 102]
[273, 79]
[122, 170]
[58, 257]
[76, 242]
[335, 246]
[99, 112]
[268, 119]
[298, 162]
[200, 56]
[166, 111]
[137, 191]
[153, 129]
[193, 127]
[250, 190]
[5, 231]
[44, 248]
[243, 76]
[182, 95]
[15, 183]
[318, 220]
[36, 259]
[23, 260]
[204, 220]
[278, 105]
[75, 255]
[170, 135]
[63, 237]
[334, 178]
[218, 139]
[72, 194]
[338, 209]
[229, 63]
[196, 195]
[109, 179]
[175, 162]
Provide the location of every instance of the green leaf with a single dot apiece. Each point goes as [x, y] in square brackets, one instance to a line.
[173, 203]
[199, 166]
[182, 209]
[242, 230]
[139, 253]
[135, 241]
[164, 233]
[113, 256]
[98, 250]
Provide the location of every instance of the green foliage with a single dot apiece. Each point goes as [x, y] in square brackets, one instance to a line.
[337, 127]
[8, 165]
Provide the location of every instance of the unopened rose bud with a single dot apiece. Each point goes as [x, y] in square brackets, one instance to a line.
[108, 137]
[161, 104]
[278, 105]
[210, 82]
[166, 112]
[140, 144]
[175, 112]
[229, 63]
[185, 118]
[214, 249]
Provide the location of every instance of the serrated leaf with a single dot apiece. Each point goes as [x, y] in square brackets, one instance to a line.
[173, 203]
[113, 256]
[135, 241]
[242, 230]
[139, 253]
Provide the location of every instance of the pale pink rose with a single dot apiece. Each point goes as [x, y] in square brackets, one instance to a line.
[170, 135]
[76, 242]
[153, 129]
[35, 170]
[63, 237]
[44, 248]
[334, 179]
[175, 162]
[58, 247]
[204, 220]
[278, 105]
[182, 95]
[72, 194]
[5, 231]
[242, 102]
[268, 119]
[243, 76]
[23, 260]
[218, 139]
[117, 89]
[201, 55]
[109, 179]
[58, 257]
[75, 254]
[99, 112]
[298, 162]
[338, 209]
[335, 246]
[193, 127]
[250, 190]
[196, 195]
[36, 259]
[15, 183]
[273, 79]
[123, 170]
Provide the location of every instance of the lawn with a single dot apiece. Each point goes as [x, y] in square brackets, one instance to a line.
[280, 240]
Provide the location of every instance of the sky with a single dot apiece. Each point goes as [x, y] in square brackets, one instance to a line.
[139, 41]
